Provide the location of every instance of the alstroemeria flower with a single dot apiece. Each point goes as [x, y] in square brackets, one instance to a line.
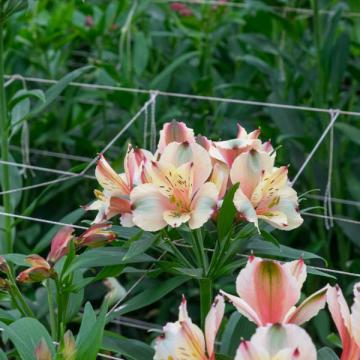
[347, 323]
[97, 235]
[174, 131]
[179, 191]
[185, 340]
[227, 151]
[278, 342]
[115, 198]
[60, 244]
[264, 191]
[268, 292]
[40, 270]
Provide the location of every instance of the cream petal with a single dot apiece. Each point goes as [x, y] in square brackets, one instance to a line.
[126, 220]
[179, 154]
[244, 207]
[149, 206]
[267, 288]
[247, 351]
[108, 178]
[277, 338]
[212, 324]
[297, 269]
[309, 308]
[220, 177]
[243, 308]
[355, 314]
[203, 205]
[174, 218]
[248, 169]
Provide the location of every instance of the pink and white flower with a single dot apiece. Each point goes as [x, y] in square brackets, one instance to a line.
[264, 191]
[115, 197]
[278, 342]
[178, 190]
[346, 321]
[268, 292]
[185, 340]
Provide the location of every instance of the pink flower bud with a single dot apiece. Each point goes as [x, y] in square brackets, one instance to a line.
[89, 21]
[69, 352]
[60, 244]
[96, 236]
[42, 351]
[4, 267]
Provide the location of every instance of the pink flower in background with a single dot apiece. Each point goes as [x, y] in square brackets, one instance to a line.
[347, 323]
[185, 340]
[97, 235]
[178, 191]
[268, 292]
[60, 244]
[278, 342]
[181, 9]
[264, 191]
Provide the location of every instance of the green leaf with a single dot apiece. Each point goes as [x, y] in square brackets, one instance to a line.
[89, 339]
[141, 52]
[227, 213]
[108, 256]
[132, 349]
[17, 259]
[53, 92]
[351, 132]
[269, 237]
[26, 334]
[26, 94]
[326, 353]
[150, 295]
[139, 246]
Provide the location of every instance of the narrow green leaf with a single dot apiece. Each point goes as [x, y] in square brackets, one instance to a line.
[139, 246]
[326, 353]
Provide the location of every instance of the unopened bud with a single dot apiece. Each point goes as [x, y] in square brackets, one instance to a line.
[35, 274]
[4, 285]
[60, 244]
[96, 236]
[69, 352]
[4, 267]
[42, 351]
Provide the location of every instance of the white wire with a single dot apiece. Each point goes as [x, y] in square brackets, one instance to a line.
[191, 96]
[244, 5]
[329, 223]
[336, 218]
[334, 115]
[54, 154]
[44, 169]
[335, 200]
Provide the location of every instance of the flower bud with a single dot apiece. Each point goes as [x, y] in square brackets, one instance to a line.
[4, 285]
[4, 267]
[69, 352]
[60, 244]
[96, 236]
[42, 351]
[39, 271]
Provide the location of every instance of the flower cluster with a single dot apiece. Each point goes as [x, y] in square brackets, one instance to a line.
[268, 292]
[186, 180]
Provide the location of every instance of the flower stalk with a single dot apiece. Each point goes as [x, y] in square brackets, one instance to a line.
[205, 298]
[7, 244]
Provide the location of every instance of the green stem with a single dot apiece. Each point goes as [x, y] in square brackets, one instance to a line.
[17, 294]
[205, 298]
[14, 299]
[51, 309]
[6, 246]
[60, 313]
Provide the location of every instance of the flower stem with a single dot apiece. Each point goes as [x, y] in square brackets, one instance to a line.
[205, 298]
[51, 309]
[6, 246]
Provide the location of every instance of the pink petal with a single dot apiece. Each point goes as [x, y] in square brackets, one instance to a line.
[203, 205]
[297, 269]
[59, 244]
[174, 132]
[309, 308]
[220, 177]
[355, 314]
[247, 351]
[212, 324]
[267, 288]
[149, 206]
